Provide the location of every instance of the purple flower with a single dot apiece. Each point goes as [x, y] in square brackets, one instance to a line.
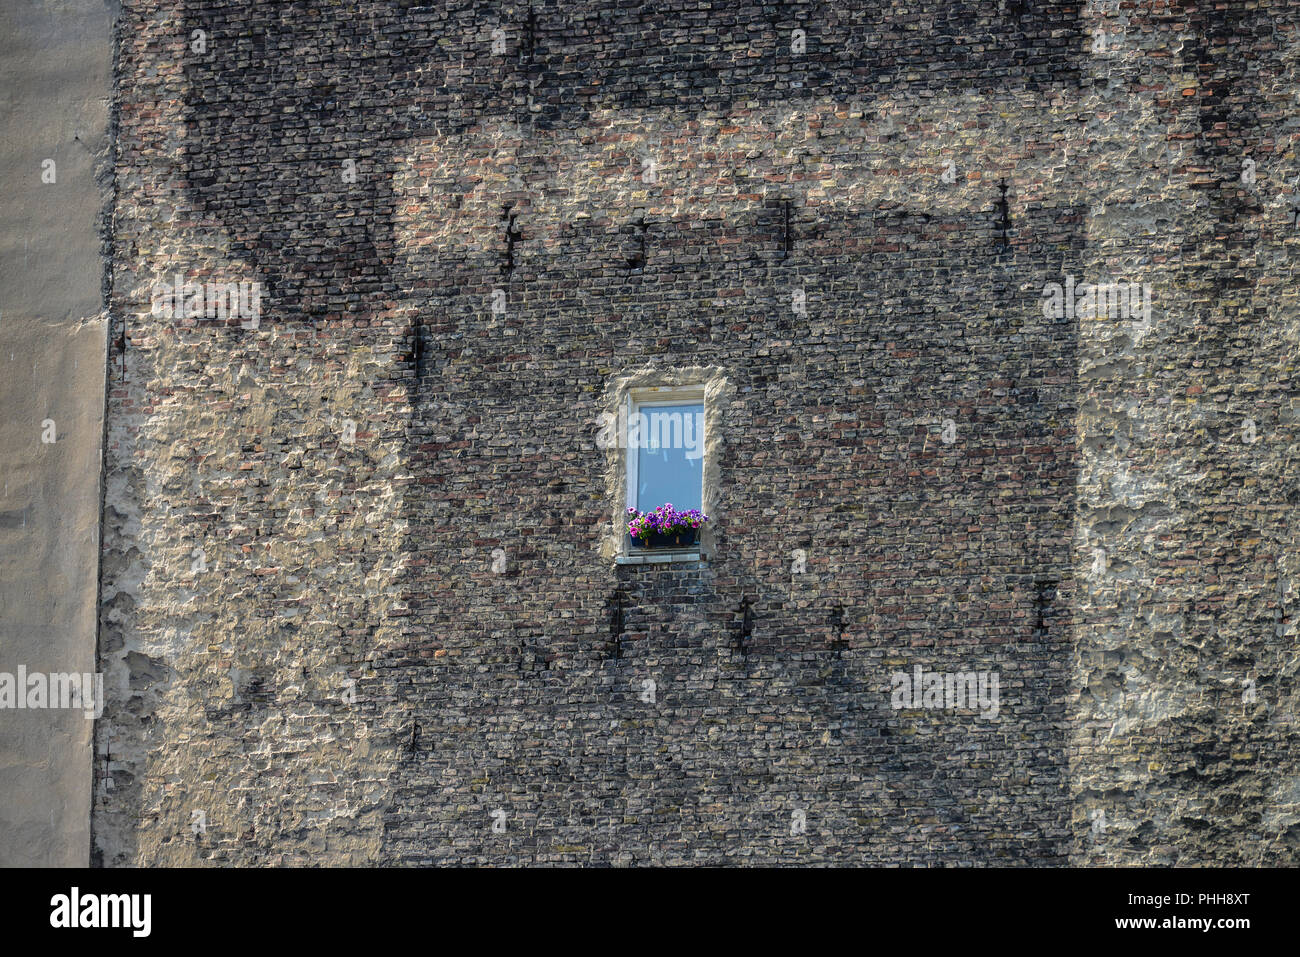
[663, 520]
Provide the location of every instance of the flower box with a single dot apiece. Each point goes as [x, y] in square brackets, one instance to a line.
[679, 539]
[665, 527]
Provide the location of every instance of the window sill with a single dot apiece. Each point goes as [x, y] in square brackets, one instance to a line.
[659, 557]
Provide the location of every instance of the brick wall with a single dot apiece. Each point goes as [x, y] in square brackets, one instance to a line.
[345, 678]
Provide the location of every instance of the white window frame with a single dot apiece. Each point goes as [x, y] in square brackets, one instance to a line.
[649, 398]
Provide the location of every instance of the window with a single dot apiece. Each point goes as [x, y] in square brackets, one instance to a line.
[661, 431]
[665, 448]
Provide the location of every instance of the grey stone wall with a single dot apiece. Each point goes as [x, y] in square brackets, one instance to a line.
[55, 167]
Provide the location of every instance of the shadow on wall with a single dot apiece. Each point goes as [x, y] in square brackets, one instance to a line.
[282, 108]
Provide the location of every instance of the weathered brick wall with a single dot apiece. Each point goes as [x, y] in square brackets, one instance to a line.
[523, 692]
[227, 667]
[1188, 430]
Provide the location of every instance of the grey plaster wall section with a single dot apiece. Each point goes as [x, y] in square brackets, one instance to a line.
[55, 93]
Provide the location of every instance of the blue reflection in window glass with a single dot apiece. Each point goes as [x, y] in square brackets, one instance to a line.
[670, 455]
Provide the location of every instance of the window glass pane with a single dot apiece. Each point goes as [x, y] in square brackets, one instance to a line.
[670, 455]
